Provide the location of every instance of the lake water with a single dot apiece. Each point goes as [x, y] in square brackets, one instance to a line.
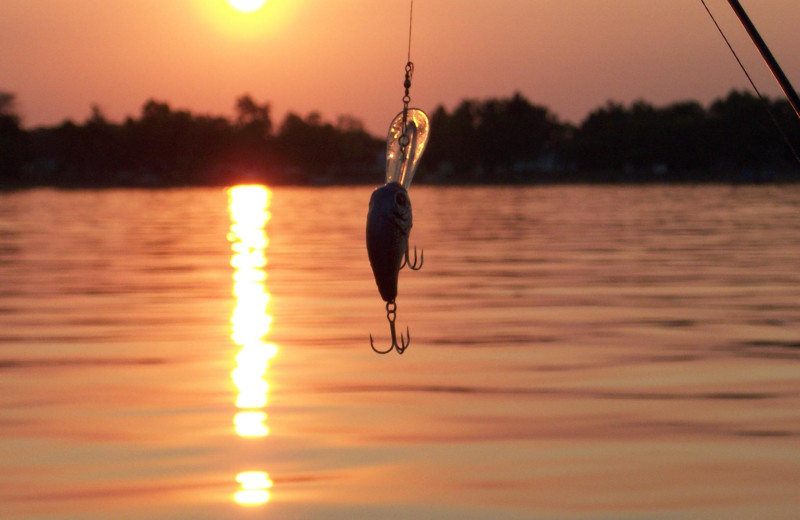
[577, 353]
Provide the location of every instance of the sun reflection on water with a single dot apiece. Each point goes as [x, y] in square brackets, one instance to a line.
[255, 486]
[250, 323]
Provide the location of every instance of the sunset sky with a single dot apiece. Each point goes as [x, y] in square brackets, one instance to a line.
[346, 57]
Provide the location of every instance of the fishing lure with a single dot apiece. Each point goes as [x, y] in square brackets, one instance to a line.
[389, 218]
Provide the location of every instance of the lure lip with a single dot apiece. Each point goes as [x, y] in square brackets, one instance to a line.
[401, 168]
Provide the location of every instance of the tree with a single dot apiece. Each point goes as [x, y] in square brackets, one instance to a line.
[252, 117]
[494, 139]
[453, 140]
[513, 132]
[685, 136]
[603, 142]
[14, 145]
[743, 134]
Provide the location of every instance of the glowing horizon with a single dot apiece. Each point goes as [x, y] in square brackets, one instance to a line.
[347, 57]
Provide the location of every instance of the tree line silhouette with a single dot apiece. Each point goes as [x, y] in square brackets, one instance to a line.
[482, 141]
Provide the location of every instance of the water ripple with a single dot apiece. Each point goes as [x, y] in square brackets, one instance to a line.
[24, 363]
[553, 391]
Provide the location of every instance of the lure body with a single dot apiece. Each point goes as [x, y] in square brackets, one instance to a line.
[388, 227]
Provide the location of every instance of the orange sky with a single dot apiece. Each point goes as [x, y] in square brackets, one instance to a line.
[347, 56]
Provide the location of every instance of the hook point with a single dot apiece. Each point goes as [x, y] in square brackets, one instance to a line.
[404, 341]
[413, 266]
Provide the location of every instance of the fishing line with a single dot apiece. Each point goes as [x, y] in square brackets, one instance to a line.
[404, 138]
[753, 84]
[410, 22]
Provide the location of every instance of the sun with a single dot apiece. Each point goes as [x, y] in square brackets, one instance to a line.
[247, 6]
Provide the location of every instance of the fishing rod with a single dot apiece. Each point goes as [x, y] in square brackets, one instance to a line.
[772, 63]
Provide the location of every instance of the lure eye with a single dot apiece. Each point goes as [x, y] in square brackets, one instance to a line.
[401, 200]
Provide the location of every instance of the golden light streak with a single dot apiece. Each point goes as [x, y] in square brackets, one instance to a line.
[250, 323]
[254, 488]
[251, 424]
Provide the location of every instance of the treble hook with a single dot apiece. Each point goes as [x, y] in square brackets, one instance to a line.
[414, 266]
[391, 314]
